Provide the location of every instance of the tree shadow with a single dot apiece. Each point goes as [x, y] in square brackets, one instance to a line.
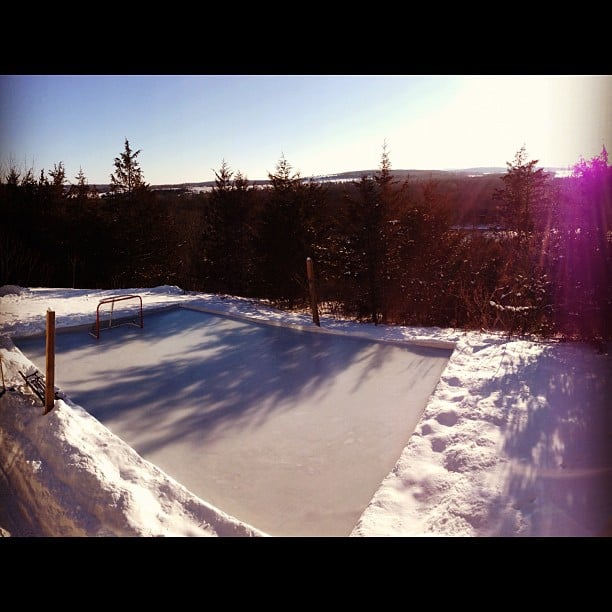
[254, 416]
[557, 425]
[204, 374]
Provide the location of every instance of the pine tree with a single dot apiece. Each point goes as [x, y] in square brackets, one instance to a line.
[521, 296]
[523, 195]
[216, 240]
[84, 229]
[226, 242]
[128, 176]
[582, 264]
[58, 176]
[80, 189]
[368, 240]
[139, 236]
[281, 238]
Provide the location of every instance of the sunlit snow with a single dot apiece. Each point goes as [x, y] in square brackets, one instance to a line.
[513, 440]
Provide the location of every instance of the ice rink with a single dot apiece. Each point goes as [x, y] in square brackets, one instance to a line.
[289, 430]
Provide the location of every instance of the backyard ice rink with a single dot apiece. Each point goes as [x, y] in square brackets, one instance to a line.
[291, 431]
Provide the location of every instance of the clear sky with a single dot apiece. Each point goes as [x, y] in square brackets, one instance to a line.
[185, 126]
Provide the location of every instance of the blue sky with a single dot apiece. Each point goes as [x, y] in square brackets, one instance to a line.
[186, 125]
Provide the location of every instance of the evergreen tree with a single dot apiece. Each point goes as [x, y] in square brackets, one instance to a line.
[521, 297]
[20, 254]
[128, 176]
[419, 260]
[523, 196]
[581, 265]
[367, 240]
[42, 180]
[226, 244]
[139, 237]
[84, 232]
[281, 242]
[13, 176]
[58, 176]
[80, 189]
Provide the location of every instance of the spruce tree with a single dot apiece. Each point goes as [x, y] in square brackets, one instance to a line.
[128, 176]
[367, 240]
[521, 296]
[281, 239]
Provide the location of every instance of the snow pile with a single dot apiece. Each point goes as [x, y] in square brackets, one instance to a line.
[78, 479]
[11, 290]
[514, 440]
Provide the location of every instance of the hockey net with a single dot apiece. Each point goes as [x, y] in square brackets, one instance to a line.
[117, 311]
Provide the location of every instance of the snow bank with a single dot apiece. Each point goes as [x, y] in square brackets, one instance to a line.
[11, 290]
[515, 442]
[76, 478]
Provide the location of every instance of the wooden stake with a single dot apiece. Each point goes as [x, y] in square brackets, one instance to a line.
[3, 390]
[50, 374]
[313, 292]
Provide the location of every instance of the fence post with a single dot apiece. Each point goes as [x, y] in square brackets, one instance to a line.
[313, 292]
[3, 390]
[50, 353]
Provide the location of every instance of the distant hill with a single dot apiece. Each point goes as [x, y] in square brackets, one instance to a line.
[355, 175]
[481, 170]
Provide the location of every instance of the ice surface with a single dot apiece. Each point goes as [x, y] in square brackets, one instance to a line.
[291, 431]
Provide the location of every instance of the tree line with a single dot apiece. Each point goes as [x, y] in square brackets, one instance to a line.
[386, 250]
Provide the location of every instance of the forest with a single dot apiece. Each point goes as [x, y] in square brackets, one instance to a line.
[522, 252]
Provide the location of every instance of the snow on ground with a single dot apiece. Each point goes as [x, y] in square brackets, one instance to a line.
[514, 440]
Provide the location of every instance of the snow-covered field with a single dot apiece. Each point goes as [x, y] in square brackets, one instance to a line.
[514, 441]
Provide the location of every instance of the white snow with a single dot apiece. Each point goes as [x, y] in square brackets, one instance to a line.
[513, 441]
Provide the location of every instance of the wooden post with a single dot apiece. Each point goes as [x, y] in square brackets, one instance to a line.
[50, 373]
[313, 292]
[3, 390]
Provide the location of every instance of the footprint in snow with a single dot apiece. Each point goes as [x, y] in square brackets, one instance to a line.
[438, 444]
[447, 417]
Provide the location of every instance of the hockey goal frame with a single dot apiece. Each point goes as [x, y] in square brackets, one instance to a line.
[96, 329]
